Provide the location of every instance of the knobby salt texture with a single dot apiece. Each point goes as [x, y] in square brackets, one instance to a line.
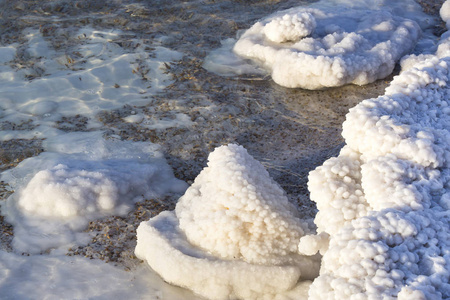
[316, 48]
[385, 200]
[80, 178]
[445, 13]
[257, 222]
[234, 234]
[290, 28]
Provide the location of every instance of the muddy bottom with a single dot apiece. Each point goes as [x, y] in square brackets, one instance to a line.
[290, 131]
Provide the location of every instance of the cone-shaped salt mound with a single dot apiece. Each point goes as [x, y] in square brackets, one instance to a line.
[235, 210]
[234, 234]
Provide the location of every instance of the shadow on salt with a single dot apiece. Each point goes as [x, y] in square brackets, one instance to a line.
[56, 277]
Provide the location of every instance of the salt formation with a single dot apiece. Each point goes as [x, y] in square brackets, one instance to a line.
[445, 13]
[316, 48]
[80, 178]
[384, 200]
[76, 277]
[233, 234]
[290, 28]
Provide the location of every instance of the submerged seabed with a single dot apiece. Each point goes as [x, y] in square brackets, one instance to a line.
[138, 68]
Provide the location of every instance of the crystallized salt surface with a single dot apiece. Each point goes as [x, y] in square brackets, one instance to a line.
[445, 13]
[383, 202]
[326, 44]
[234, 234]
[235, 210]
[62, 277]
[95, 74]
[40, 84]
[164, 246]
[81, 177]
[290, 28]
[346, 46]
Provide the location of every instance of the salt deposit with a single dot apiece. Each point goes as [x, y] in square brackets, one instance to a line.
[290, 28]
[88, 84]
[328, 43]
[62, 277]
[234, 233]
[347, 46]
[97, 75]
[384, 200]
[70, 184]
[382, 223]
[445, 13]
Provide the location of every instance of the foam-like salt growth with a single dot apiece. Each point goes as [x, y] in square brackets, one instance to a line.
[257, 222]
[82, 179]
[290, 28]
[384, 200]
[347, 46]
[327, 43]
[234, 235]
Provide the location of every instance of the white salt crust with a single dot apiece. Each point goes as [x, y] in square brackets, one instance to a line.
[384, 200]
[234, 234]
[315, 48]
[81, 177]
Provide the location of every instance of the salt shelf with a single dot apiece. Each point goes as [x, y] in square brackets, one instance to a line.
[80, 178]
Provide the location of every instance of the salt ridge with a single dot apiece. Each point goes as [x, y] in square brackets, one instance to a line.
[383, 201]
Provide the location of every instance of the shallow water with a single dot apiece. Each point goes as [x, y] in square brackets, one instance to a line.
[248, 112]
[291, 131]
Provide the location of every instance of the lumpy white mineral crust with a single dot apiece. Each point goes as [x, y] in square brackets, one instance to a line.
[384, 200]
[163, 245]
[233, 234]
[235, 210]
[81, 177]
[383, 222]
[290, 27]
[315, 48]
